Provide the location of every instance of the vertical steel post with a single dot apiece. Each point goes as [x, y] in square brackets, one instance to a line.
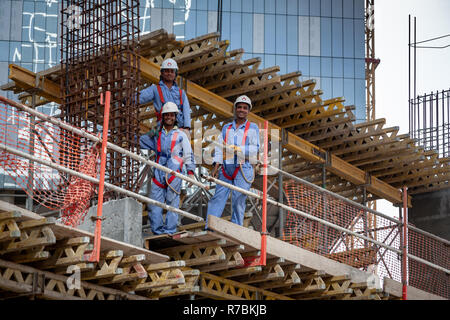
[30, 182]
[280, 186]
[405, 245]
[264, 203]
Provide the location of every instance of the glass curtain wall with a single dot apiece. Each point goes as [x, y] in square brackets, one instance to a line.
[324, 39]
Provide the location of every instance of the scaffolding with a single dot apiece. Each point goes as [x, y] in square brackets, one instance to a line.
[429, 121]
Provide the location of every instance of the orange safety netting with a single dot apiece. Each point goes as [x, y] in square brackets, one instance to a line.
[49, 187]
[359, 253]
[425, 277]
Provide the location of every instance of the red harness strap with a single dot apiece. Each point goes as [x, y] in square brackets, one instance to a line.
[244, 138]
[161, 97]
[172, 146]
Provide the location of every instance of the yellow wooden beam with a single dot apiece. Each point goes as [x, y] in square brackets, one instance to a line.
[222, 107]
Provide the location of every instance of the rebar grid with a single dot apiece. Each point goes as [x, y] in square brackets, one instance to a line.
[99, 53]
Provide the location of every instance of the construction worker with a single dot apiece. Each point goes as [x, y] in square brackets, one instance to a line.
[241, 141]
[172, 148]
[167, 90]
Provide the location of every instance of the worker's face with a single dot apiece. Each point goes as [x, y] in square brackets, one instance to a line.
[242, 110]
[169, 118]
[168, 75]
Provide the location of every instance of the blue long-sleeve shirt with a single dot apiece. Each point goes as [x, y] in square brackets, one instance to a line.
[235, 135]
[173, 94]
[182, 148]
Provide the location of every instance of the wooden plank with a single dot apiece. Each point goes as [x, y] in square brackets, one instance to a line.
[285, 250]
[394, 288]
[61, 232]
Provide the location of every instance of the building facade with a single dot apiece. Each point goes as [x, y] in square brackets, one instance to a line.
[324, 39]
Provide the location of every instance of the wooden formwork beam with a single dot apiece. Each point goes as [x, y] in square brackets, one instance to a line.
[222, 107]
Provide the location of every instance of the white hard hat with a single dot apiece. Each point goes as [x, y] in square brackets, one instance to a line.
[169, 107]
[244, 99]
[169, 64]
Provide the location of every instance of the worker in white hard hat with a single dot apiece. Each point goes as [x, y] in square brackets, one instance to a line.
[167, 90]
[173, 149]
[241, 141]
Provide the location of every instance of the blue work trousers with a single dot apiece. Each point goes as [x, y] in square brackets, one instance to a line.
[169, 197]
[217, 203]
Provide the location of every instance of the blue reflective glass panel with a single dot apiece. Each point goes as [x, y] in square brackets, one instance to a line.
[338, 87]
[15, 51]
[280, 7]
[349, 91]
[314, 8]
[292, 64]
[327, 88]
[347, 10]
[236, 29]
[337, 8]
[269, 60]
[303, 7]
[360, 92]
[359, 9]
[292, 7]
[226, 5]
[326, 67]
[326, 8]
[269, 33]
[292, 35]
[325, 36]
[349, 40]
[258, 6]
[178, 17]
[4, 51]
[269, 6]
[226, 25]
[360, 71]
[247, 6]
[213, 5]
[349, 68]
[167, 4]
[202, 22]
[314, 67]
[190, 25]
[247, 32]
[337, 37]
[303, 65]
[338, 67]
[359, 39]
[236, 5]
[281, 34]
[280, 60]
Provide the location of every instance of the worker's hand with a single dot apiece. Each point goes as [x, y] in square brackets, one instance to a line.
[215, 172]
[192, 176]
[153, 132]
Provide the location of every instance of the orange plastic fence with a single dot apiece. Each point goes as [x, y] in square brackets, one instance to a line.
[359, 253]
[43, 140]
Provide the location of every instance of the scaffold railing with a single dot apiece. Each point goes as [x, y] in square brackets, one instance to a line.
[316, 219]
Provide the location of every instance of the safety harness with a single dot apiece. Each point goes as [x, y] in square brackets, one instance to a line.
[244, 138]
[161, 97]
[176, 157]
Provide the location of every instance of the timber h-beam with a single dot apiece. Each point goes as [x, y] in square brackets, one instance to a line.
[224, 108]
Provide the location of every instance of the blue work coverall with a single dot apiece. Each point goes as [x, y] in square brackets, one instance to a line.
[173, 94]
[161, 190]
[250, 149]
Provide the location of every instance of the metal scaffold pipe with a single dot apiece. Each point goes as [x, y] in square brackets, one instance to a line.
[193, 181]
